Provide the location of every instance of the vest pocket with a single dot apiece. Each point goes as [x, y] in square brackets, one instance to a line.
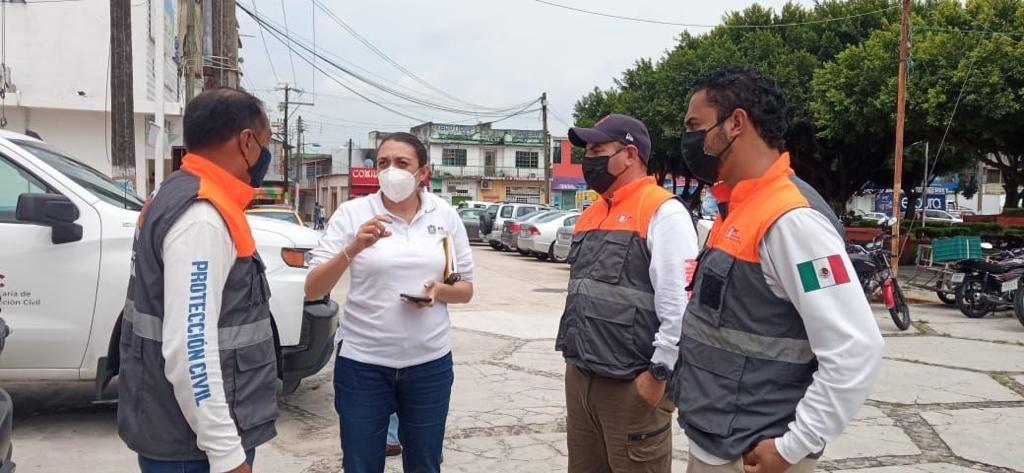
[706, 386]
[255, 386]
[607, 333]
[611, 257]
[712, 285]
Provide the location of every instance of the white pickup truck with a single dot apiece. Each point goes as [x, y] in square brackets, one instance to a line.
[66, 234]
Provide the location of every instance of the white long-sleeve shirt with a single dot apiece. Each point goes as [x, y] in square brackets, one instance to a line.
[672, 241]
[840, 327]
[198, 253]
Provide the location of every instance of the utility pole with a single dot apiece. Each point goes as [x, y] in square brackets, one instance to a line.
[192, 54]
[924, 187]
[299, 166]
[122, 104]
[225, 44]
[350, 162]
[285, 107]
[547, 145]
[901, 110]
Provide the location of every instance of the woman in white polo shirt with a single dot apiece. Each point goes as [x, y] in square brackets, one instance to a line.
[396, 355]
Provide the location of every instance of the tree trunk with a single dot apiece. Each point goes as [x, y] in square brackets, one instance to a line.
[1011, 182]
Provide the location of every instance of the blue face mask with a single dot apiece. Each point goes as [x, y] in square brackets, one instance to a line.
[259, 170]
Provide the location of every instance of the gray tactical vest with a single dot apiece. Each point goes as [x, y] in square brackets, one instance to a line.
[149, 419]
[744, 359]
[609, 322]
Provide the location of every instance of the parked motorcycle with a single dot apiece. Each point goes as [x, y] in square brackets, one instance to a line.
[989, 285]
[871, 263]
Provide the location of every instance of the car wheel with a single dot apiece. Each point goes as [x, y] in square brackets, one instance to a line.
[553, 257]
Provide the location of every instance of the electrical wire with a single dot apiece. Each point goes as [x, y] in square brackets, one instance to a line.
[266, 49]
[553, 114]
[388, 59]
[289, 42]
[291, 57]
[696, 25]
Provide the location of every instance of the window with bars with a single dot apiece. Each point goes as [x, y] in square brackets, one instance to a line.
[453, 157]
[527, 159]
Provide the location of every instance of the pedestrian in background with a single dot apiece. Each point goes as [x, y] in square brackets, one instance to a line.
[318, 216]
[622, 317]
[408, 256]
[197, 311]
[779, 346]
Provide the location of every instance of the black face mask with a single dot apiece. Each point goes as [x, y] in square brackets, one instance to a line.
[258, 171]
[595, 172]
[703, 166]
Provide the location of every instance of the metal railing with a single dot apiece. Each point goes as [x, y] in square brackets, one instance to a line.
[490, 171]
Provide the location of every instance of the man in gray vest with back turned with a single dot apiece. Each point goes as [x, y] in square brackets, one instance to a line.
[198, 375]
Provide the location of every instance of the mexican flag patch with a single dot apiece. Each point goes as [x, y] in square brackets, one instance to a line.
[823, 272]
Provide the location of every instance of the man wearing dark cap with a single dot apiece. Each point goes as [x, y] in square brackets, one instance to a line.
[624, 311]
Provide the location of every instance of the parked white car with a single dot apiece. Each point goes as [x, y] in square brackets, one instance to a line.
[67, 233]
[939, 216]
[879, 218]
[537, 238]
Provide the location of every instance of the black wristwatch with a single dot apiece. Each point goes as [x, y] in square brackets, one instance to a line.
[660, 371]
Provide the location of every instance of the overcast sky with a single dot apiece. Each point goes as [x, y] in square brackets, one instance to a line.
[493, 53]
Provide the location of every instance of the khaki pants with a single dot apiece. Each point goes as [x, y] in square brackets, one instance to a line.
[612, 430]
[694, 465]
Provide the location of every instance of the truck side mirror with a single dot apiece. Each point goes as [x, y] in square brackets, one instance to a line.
[52, 210]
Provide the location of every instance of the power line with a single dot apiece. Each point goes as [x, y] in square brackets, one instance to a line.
[291, 58]
[696, 25]
[387, 58]
[303, 43]
[288, 42]
[560, 120]
[266, 49]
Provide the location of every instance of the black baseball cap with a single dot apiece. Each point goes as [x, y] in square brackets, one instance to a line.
[622, 128]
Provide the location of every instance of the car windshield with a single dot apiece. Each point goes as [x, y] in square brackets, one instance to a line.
[471, 214]
[493, 210]
[550, 217]
[285, 216]
[92, 180]
[533, 216]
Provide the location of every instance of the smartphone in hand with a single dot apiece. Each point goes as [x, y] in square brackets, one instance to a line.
[415, 299]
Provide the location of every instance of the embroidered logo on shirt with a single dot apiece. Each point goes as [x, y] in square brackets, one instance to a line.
[822, 273]
[432, 230]
[625, 218]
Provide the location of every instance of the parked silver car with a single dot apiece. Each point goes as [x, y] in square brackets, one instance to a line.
[563, 242]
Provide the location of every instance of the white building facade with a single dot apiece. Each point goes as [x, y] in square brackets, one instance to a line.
[59, 59]
[477, 162]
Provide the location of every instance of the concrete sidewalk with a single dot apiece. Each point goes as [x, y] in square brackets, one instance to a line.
[950, 398]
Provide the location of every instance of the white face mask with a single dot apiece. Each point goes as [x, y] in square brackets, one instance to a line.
[397, 184]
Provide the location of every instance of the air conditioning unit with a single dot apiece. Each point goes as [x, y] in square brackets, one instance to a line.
[486, 185]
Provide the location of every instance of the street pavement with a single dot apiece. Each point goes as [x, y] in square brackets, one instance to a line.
[950, 398]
